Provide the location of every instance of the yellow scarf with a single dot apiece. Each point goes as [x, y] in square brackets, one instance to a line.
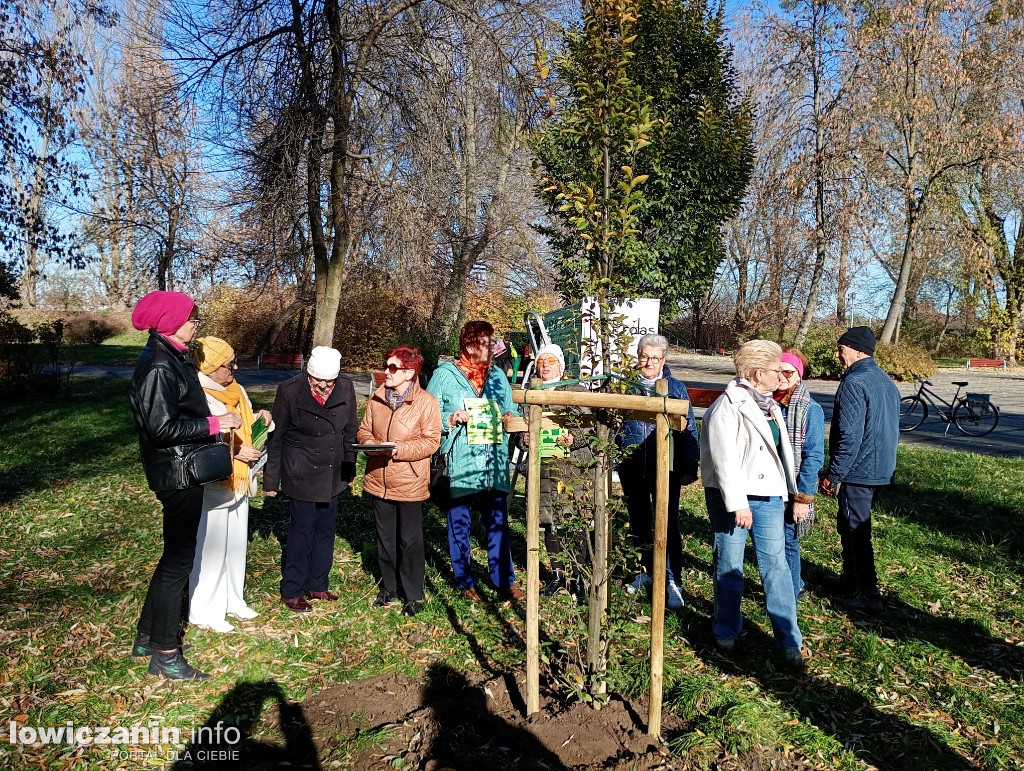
[234, 399]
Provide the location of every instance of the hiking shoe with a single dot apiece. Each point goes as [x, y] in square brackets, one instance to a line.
[384, 598]
[512, 593]
[412, 608]
[859, 603]
[673, 596]
[641, 581]
[793, 656]
[727, 646]
[174, 667]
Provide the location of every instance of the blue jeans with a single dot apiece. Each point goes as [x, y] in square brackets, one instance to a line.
[793, 558]
[494, 507]
[768, 532]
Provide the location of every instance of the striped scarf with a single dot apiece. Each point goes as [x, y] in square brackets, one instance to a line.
[798, 404]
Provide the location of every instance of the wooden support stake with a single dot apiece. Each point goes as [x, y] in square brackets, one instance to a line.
[655, 404]
[661, 514]
[533, 564]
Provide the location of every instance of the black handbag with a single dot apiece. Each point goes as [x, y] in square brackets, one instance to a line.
[440, 475]
[205, 463]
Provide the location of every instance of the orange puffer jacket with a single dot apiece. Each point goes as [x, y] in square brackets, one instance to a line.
[416, 428]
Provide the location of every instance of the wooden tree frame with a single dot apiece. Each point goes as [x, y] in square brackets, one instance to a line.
[667, 413]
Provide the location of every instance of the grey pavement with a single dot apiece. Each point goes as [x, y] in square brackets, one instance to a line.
[1006, 390]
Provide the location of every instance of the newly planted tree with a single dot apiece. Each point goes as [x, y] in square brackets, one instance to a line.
[591, 153]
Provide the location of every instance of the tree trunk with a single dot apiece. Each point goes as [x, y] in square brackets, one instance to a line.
[899, 297]
[819, 196]
[842, 277]
[327, 308]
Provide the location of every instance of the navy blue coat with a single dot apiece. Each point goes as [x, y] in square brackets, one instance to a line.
[639, 435]
[865, 427]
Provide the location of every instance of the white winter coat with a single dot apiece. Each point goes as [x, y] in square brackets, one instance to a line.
[737, 450]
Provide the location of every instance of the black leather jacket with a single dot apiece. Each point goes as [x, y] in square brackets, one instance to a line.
[170, 411]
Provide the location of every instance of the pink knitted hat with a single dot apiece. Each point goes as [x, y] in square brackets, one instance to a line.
[163, 312]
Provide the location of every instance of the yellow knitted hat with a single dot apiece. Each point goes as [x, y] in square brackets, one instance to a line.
[210, 353]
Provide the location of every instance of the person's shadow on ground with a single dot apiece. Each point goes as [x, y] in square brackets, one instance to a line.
[469, 735]
[225, 741]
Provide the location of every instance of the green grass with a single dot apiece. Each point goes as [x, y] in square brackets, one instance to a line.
[936, 684]
[122, 349]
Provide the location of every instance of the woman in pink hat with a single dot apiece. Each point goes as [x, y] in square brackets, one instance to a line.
[805, 423]
[172, 417]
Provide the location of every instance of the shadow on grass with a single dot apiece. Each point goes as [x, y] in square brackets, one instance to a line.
[881, 739]
[973, 518]
[53, 442]
[214, 746]
[469, 735]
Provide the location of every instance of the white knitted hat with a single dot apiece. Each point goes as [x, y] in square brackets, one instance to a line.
[552, 350]
[324, 363]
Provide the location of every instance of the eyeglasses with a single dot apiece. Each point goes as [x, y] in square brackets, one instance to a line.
[787, 373]
[393, 368]
[652, 359]
[548, 360]
[197, 321]
[233, 364]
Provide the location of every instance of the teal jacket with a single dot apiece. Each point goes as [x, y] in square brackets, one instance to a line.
[477, 467]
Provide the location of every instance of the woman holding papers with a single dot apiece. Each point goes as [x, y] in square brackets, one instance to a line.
[476, 401]
[397, 479]
[218, 573]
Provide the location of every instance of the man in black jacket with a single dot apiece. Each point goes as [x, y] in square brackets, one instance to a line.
[862, 459]
[172, 417]
[311, 460]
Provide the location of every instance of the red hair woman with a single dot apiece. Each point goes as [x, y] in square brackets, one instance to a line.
[398, 480]
[478, 468]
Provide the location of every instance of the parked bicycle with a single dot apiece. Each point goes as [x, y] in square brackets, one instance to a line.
[973, 414]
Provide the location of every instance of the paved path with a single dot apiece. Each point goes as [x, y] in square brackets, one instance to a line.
[1006, 389]
[1007, 392]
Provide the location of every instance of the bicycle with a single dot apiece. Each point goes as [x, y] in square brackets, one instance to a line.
[972, 414]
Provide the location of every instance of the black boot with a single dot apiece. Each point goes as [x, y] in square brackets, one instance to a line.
[174, 667]
[578, 589]
[142, 648]
[555, 585]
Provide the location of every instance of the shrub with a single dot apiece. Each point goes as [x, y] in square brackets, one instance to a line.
[965, 345]
[903, 360]
[820, 349]
[79, 328]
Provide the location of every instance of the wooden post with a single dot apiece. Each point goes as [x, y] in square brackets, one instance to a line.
[599, 578]
[658, 590]
[533, 563]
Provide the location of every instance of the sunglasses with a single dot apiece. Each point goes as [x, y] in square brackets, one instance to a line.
[393, 368]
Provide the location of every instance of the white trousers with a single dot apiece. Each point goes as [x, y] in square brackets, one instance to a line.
[218, 573]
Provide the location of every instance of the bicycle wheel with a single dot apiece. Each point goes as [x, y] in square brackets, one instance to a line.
[913, 411]
[974, 423]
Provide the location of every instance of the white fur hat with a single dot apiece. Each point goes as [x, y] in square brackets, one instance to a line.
[324, 363]
[552, 350]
